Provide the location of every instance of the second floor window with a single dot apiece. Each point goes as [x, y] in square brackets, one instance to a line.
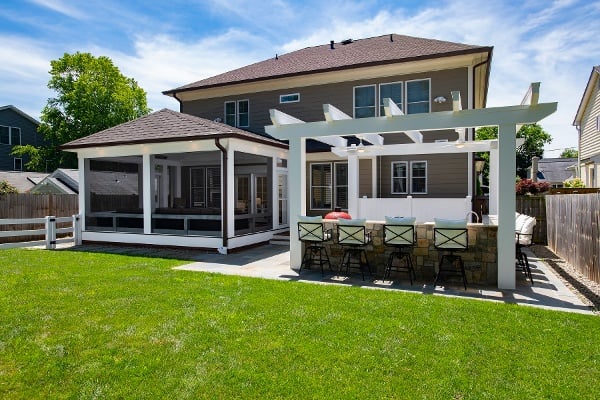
[417, 96]
[237, 113]
[364, 101]
[10, 135]
[392, 91]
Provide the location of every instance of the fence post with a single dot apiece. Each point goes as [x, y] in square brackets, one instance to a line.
[50, 233]
[77, 230]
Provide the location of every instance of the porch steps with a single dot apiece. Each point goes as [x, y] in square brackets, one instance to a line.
[281, 239]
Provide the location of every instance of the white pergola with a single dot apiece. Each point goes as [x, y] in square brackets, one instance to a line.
[337, 124]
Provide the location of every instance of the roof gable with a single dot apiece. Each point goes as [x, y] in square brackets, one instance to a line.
[166, 126]
[587, 94]
[21, 113]
[348, 54]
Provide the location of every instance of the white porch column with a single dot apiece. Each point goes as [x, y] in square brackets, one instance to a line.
[148, 192]
[230, 190]
[493, 181]
[84, 188]
[353, 186]
[274, 192]
[506, 206]
[297, 193]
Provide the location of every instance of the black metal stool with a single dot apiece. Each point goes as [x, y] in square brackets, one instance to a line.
[313, 235]
[400, 237]
[354, 238]
[451, 240]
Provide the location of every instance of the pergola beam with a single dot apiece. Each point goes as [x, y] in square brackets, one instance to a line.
[514, 115]
[391, 109]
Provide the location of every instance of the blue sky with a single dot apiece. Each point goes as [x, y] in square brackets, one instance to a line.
[165, 44]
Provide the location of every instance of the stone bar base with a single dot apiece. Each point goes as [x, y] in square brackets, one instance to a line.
[480, 258]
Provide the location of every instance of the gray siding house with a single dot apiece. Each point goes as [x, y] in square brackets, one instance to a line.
[355, 76]
[16, 128]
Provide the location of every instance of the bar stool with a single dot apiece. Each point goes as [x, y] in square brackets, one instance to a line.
[353, 235]
[399, 233]
[313, 234]
[451, 236]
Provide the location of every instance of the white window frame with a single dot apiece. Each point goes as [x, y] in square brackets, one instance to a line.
[282, 98]
[406, 94]
[237, 113]
[333, 187]
[413, 177]
[375, 99]
[236, 104]
[380, 106]
[15, 164]
[407, 177]
[310, 167]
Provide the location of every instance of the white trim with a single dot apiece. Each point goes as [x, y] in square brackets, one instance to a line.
[281, 96]
[375, 99]
[15, 164]
[392, 177]
[426, 177]
[406, 95]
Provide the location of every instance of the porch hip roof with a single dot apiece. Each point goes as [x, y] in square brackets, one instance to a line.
[347, 54]
[166, 126]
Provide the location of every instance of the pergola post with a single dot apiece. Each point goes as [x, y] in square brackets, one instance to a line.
[493, 181]
[506, 206]
[353, 185]
[297, 194]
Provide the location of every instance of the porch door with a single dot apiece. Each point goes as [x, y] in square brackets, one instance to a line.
[282, 196]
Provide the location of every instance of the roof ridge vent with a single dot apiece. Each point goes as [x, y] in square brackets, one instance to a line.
[347, 41]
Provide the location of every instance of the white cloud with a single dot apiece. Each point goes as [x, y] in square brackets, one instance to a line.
[62, 8]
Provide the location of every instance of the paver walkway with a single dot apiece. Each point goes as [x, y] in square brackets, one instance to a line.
[272, 262]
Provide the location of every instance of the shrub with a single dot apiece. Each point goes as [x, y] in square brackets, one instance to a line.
[6, 188]
[527, 186]
[574, 183]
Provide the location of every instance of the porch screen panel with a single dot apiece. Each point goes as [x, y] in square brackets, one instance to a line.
[114, 191]
[321, 186]
[213, 179]
[197, 187]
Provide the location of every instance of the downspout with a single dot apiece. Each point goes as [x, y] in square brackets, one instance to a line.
[487, 77]
[179, 101]
[224, 185]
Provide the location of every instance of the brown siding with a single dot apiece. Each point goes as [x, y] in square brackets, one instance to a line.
[364, 178]
[312, 98]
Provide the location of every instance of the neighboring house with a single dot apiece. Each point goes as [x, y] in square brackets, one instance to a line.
[587, 122]
[16, 128]
[554, 170]
[61, 181]
[22, 181]
[355, 76]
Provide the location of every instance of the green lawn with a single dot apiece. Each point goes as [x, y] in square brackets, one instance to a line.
[84, 325]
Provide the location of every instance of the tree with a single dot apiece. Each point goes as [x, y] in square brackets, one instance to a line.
[92, 95]
[569, 153]
[6, 188]
[535, 139]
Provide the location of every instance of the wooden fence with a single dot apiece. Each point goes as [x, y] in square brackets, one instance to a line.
[573, 231]
[535, 206]
[26, 206]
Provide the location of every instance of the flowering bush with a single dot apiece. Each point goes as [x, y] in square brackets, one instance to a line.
[527, 186]
[6, 188]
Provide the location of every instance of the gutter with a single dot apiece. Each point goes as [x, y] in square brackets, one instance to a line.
[179, 101]
[487, 75]
[224, 197]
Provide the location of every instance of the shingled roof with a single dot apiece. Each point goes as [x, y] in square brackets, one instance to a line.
[347, 54]
[166, 126]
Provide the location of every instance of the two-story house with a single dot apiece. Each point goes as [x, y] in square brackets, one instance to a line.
[16, 128]
[212, 176]
[354, 77]
[587, 122]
